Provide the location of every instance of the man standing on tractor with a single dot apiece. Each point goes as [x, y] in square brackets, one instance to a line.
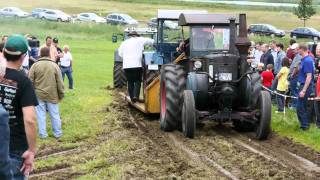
[131, 51]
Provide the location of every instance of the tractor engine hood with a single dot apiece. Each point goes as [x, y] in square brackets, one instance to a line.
[222, 67]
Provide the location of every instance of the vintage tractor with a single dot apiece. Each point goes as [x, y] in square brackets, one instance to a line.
[212, 80]
[119, 79]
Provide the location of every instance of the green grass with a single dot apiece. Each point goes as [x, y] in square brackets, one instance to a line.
[93, 62]
[145, 9]
[288, 125]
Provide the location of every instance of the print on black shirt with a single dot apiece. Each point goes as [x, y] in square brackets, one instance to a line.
[16, 92]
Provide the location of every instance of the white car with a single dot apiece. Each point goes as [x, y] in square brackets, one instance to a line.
[55, 15]
[91, 17]
[13, 12]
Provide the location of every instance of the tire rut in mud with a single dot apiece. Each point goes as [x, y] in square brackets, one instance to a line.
[241, 159]
[169, 160]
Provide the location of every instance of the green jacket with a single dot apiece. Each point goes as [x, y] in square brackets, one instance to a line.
[47, 80]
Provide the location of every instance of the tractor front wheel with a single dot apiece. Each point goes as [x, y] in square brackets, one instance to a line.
[168, 98]
[189, 116]
[263, 128]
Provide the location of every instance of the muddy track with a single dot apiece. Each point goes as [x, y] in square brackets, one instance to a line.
[233, 155]
[216, 152]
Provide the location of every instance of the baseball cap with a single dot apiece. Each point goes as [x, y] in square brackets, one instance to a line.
[16, 45]
[294, 46]
[55, 40]
[134, 33]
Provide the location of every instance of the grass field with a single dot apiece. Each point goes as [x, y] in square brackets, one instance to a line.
[92, 50]
[144, 10]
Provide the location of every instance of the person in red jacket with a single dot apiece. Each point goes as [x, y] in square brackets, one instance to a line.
[267, 76]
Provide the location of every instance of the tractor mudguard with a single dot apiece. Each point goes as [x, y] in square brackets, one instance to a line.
[117, 58]
[152, 57]
[256, 89]
[198, 83]
[245, 92]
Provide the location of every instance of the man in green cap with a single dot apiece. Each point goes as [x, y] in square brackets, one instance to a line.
[18, 97]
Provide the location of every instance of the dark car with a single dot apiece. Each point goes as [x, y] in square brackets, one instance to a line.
[305, 32]
[121, 19]
[265, 29]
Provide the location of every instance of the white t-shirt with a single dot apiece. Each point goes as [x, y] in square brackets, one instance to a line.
[131, 51]
[25, 62]
[65, 61]
[257, 56]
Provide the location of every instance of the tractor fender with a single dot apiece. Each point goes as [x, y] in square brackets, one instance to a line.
[256, 89]
[198, 83]
[245, 91]
[117, 58]
[152, 57]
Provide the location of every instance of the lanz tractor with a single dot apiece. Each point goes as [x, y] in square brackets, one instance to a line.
[209, 80]
[213, 81]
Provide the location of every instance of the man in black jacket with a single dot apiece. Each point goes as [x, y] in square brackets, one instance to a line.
[266, 57]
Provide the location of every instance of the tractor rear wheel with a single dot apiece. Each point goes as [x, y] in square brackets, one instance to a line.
[168, 98]
[263, 128]
[189, 116]
[119, 78]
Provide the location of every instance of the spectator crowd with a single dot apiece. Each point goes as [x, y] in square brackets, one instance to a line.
[291, 77]
[31, 85]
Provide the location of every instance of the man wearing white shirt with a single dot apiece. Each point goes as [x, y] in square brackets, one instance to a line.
[66, 65]
[257, 53]
[131, 51]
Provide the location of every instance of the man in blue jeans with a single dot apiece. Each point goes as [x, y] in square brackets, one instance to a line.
[293, 78]
[305, 84]
[46, 77]
[66, 65]
[5, 168]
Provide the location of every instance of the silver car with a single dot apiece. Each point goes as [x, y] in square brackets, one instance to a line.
[55, 15]
[37, 11]
[91, 17]
[13, 12]
[121, 19]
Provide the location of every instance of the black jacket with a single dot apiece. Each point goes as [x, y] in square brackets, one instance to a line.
[267, 58]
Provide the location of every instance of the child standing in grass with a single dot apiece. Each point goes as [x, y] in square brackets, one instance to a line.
[267, 76]
[283, 83]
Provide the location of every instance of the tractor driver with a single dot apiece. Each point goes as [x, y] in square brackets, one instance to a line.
[131, 51]
[203, 38]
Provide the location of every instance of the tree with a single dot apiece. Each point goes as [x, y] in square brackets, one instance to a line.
[304, 10]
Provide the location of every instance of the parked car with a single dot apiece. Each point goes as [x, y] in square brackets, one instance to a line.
[91, 17]
[55, 15]
[167, 24]
[121, 19]
[37, 11]
[153, 23]
[13, 12]
[305, 32]
[265, 29]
